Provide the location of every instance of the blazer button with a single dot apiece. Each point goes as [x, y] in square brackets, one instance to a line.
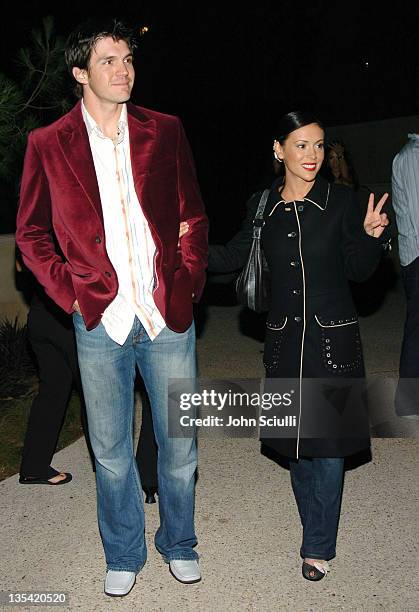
[98, 239]
[292, 234]
[295, 264]
[108, 274]
[296, 291]
[297, 319]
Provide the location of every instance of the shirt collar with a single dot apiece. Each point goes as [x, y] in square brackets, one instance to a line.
[93, 128]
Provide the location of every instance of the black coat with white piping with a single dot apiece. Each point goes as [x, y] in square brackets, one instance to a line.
[313, 247]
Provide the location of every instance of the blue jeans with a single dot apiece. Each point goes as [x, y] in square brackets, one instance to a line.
[108, 373]
[317, 485]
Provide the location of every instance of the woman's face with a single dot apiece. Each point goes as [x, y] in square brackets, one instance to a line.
[302, 152]
[334, 159]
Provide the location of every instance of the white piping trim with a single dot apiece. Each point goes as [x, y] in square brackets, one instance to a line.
[327, 199]
[306, 200]
[277, 328]
[280, 202]
[337, 324]
[304, 325]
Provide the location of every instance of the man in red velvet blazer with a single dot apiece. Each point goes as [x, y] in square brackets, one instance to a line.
[112, 182]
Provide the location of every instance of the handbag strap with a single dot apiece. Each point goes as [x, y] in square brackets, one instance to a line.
[258, 221]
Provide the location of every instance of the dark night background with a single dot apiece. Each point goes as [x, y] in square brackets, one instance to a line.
[230, 72]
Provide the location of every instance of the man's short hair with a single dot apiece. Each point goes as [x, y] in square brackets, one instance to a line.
[82, 41]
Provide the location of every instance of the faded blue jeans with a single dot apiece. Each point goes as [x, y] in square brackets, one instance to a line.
[108, 373]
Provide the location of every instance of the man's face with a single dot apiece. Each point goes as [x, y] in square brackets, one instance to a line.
[110, 75]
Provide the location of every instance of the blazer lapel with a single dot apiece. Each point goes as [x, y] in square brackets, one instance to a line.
[74, 143]
[142, 136]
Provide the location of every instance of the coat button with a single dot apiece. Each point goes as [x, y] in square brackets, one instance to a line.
[295, 264]
[108, 274]
[98, 239]
[296, 291]
[297, 319]
[292, 234]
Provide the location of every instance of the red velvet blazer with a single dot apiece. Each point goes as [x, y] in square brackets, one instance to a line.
[60, 196]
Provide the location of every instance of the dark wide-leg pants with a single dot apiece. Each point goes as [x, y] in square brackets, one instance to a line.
[51, 336]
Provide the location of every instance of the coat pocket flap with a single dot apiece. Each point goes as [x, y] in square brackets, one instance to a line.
[336, 321]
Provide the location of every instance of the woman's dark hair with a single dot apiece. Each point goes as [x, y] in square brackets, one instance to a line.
[82, 41]
[292, 121]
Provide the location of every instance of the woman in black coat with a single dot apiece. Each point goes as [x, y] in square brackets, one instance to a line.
[314, 241]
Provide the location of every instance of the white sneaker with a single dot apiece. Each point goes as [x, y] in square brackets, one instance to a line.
[118, 584]
[185, 570]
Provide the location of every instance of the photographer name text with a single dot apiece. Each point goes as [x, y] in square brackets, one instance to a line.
[216, 421]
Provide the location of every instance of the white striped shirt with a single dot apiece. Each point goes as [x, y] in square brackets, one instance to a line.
[405, 188]
[129, 243]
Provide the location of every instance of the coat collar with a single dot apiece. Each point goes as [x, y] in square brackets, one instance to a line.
[74, 142]
[318, 194]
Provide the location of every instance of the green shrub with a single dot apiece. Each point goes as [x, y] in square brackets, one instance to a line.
[17, 367]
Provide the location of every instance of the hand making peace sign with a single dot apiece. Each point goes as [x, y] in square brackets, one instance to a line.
[375, 221]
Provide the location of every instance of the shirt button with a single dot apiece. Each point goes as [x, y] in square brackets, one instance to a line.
[292, 234]
[300, 208]
[295, 264]
[98, 239]
[296, 291]
[297, 319]
[108, 274]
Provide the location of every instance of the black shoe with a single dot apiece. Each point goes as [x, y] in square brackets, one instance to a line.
[310, 572]
[150, 493]
[44, 481]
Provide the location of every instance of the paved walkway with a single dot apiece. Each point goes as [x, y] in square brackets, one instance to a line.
[246, 519]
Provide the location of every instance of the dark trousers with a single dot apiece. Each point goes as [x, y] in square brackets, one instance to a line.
[146, 455]
[407, 393]
[317, 485]
[51, 335]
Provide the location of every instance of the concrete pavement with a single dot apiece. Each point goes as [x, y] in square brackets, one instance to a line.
[246, 519]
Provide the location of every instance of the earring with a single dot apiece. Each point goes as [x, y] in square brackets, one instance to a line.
[278, 158]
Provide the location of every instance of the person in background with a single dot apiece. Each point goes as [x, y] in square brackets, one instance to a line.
[405, 188]
[147, 452]
[339, 168]
[113, 181]
[340, 165]
[314, 240]
[51, 336]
